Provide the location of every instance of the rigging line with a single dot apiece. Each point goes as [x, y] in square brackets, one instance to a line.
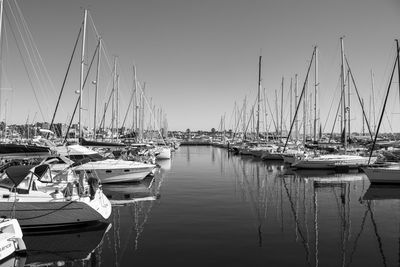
[127, 110]
[66, 75]
[378, 237]
[25, 24]
[384, 105]
[359, 99]
[296, 220]
[83, 86]
[298, 105]
[26, 68]
[148, 106]
[105, 110]
[29, 53]
[272, 115]
[103, 45]
[383, 80]
[358, 237]
[330, 108]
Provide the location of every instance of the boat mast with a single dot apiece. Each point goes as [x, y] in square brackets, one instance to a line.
[296, 122]
[277, 114]
[96, 88]
[315, 92]
[363, 122]
[281, 129]
[291, 99]
[305, 112]
[82, 74]
[113, 98]
[343, 109]
[373, 98]
[398, 62]
[258, 99]
[1, 30]
[117, 109]
[348, 101]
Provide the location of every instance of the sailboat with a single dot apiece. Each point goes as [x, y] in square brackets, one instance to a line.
[335, 161]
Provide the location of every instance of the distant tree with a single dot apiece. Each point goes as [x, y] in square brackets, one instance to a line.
[188, 130]
[213, 131]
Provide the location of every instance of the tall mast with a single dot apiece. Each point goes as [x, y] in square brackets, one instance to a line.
[305, 112]
[296, 122]
[117, 109]
[136, 108]
[363, 122]
[281, 108]
[343, 109]
[348, 102]
[291, 100]
[277, 114]
[142, 97]
[96, 88]
[258, 99]
[1, 54]
[398, 62]
[373, 99]
[82, 74]
[113, 98]
[244, 118]
[315, 92]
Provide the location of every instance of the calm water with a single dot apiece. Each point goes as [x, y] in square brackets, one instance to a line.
[208, 208]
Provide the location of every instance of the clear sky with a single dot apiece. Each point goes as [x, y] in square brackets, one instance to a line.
[199, 57]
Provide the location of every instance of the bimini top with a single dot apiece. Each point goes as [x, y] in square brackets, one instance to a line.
[18, 173]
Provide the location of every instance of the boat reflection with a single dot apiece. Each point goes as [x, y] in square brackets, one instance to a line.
[67, 246]
[126, 193]
[324, 212]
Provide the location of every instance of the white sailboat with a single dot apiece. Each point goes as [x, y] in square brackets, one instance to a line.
[331, 161]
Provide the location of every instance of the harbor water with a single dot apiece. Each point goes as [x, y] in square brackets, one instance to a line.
[206, 207]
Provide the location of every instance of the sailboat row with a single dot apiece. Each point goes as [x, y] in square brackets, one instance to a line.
[314, 152]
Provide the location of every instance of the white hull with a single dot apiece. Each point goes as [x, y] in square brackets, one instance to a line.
[116, 171]
[383, 175]
[164, 153]
[332, 162]
[10, 238]
[31, 211]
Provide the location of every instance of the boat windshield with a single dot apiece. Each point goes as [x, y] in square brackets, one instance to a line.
[7, 182]
[90, 157]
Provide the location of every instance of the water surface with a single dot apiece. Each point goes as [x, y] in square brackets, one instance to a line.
[208, 208]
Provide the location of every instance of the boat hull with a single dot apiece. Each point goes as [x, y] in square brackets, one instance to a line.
[382, 175]
[333, 163]
[164, 153]
[115, 172]
[49, 214]
[119, 176]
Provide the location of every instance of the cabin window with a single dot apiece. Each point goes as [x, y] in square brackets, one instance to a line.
[126, 170]
[24, 184]
[46, 178]
[108, 171]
